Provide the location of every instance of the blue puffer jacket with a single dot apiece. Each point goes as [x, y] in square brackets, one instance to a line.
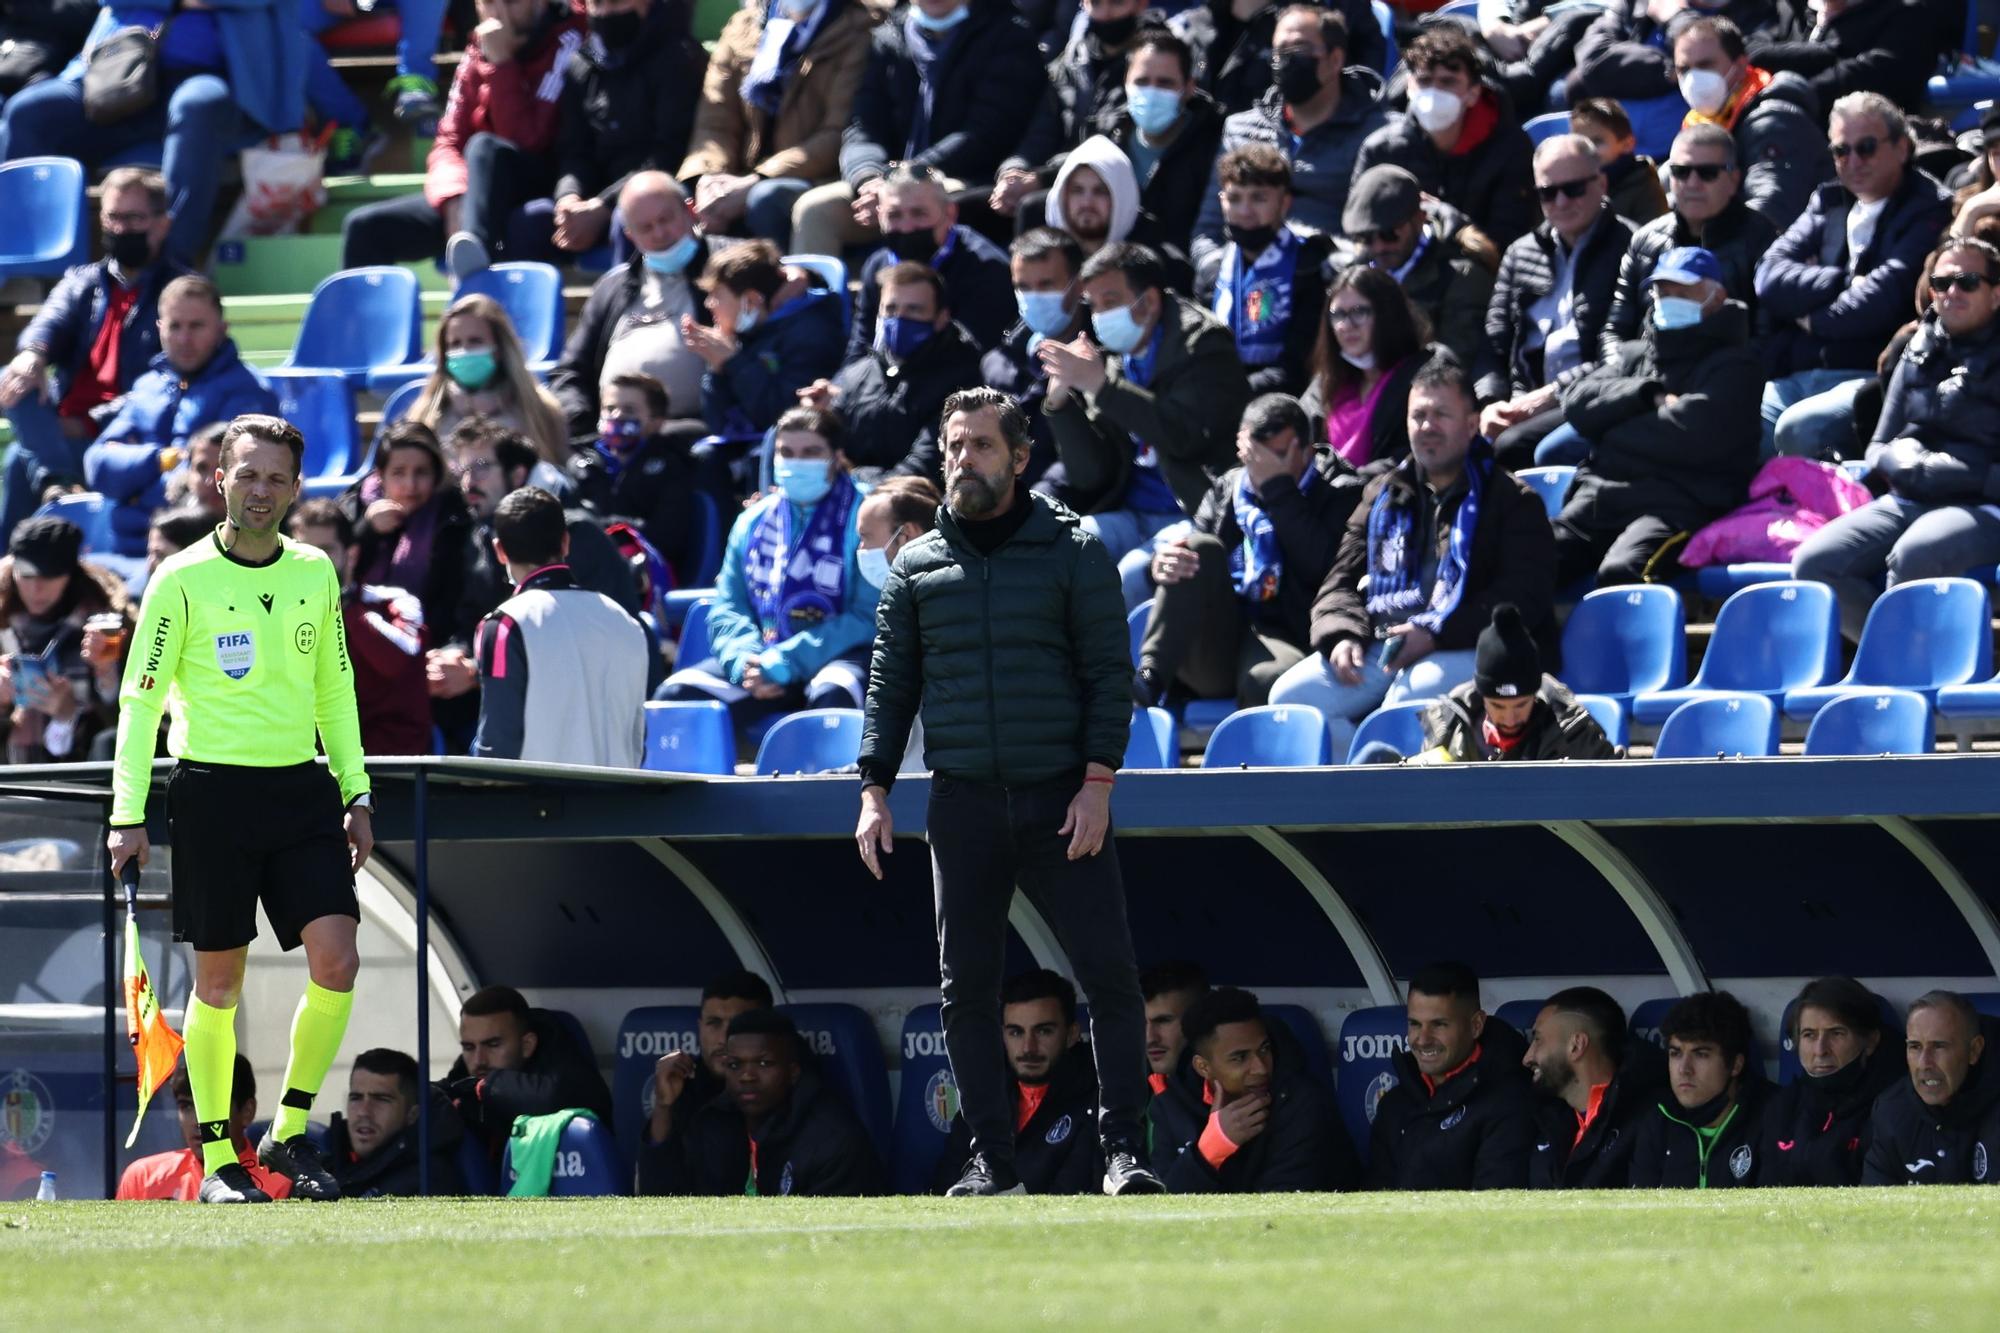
[737, 636]
[66, 326]
[164, 409]
[796, 344]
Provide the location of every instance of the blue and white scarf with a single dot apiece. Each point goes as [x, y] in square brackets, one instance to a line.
[796, 581]
[1258, 562]
[1394, 565]
[1256, 301]
[780, 45]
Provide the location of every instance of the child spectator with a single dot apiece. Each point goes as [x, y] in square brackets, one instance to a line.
[1634, 179]
[636, 474]
[773, 334]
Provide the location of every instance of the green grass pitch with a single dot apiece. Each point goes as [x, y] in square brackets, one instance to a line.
[1773, 1261]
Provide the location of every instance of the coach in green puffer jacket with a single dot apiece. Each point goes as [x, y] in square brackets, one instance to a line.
[1006, 628]
[1010, 635]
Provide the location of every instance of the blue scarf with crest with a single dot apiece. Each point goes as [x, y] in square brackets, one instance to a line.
[796, 579]
[1394, 565]
[1255, 299]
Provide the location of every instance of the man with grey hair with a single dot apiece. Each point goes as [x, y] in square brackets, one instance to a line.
[1843, 278]
[1709, 211]
[1005, 627]
[1941, 1126]
[1545, 322]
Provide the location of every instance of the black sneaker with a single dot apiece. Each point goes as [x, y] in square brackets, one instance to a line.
[231, 1184]
[983, 1178]
[1124, 1174]
[299, 1160]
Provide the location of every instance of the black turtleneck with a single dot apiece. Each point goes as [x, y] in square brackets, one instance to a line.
[988, 535]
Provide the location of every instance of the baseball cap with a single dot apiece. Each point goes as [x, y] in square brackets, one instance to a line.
[1687, 263]
[1382, 197]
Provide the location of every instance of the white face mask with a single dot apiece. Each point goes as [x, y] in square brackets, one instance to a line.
[1704, 90]
[1436, 109]
[1359, 360]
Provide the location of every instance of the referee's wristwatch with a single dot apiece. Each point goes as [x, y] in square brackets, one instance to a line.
[362, 802]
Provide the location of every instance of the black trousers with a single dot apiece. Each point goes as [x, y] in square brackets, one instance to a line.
[985, 840]
[500, 180]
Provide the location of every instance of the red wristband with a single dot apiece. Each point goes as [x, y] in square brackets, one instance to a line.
[1089, 777]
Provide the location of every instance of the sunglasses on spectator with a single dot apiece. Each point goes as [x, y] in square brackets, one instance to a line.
[1965, 282]
[1567, 189]
[1861, 148]
[1708, 171]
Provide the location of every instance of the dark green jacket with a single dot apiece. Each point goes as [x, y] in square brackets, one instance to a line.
[1189, 415]
[1020, 661]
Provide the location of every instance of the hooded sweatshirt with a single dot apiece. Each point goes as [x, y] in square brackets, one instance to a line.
[1103, 157]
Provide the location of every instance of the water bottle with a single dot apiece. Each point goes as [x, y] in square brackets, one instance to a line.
[47, 1191]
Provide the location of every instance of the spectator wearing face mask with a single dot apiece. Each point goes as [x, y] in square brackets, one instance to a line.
[636, 474]
[920, 225]
[1044, 264]
[774, 332]
[481, 371]
[793, 617]
[1268, 281]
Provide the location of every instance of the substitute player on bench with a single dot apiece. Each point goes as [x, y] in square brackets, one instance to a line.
[241, 632]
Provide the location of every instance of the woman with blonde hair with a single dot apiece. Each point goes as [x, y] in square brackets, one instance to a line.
[481, 371]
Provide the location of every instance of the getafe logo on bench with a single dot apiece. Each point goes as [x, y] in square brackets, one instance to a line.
[235, 654]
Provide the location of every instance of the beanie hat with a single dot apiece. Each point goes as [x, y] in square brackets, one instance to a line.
[1507, 664]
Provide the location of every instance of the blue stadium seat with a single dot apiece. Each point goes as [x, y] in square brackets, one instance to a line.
[1768, 639]
[1153, 743]
[360, 319]
[321, 404]
[691, 736]
[694, 633]
[1269, 736]
[1135, 627]
[89, 511]
[925, 1103]
[706, 541]
[1369, 1040]
[1872, 722]
[1788, 1047]
[644, 1035]
[1551, 483]
[1922, 636]
[475, 1168]
[1743, 725]
[1299, 1021]
[1965, 703]
[1520, 1015]
[1206, 714]
[813, 740]
[532, 296]
[572, 1027]
[1540, 128]
[1400, 725]
[843, 1038]
[1655, 122]
[587, 1163]
[1626, 641]
[48, 231]
[1610, 715]
[1644, 1021]
[1721, 582]
[1965, 85]
[833, 273]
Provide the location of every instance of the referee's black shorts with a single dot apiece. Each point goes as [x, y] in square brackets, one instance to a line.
[243, 834]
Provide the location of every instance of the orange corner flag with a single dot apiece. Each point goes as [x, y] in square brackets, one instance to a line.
[155, 1044]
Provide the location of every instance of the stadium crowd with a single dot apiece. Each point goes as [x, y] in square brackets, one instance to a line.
[1580, 1101]
[1277, 308]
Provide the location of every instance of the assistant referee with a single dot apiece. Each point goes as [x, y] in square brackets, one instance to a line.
[240, 635]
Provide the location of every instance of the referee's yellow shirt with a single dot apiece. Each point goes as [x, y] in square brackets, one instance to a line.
[251, 658]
